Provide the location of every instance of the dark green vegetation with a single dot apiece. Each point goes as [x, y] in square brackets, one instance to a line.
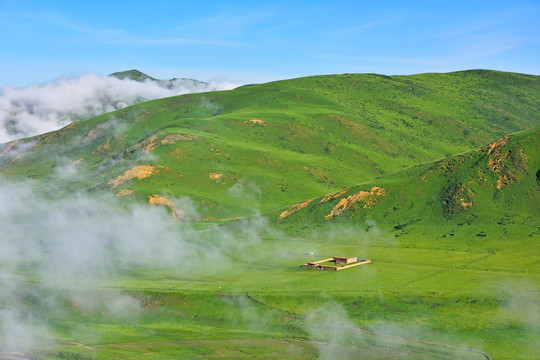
[453, 239]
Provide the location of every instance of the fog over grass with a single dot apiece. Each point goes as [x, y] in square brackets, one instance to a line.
[52, 249]
[37, 109]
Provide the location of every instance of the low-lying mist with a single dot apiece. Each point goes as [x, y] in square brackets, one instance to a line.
[54, 248]
[37, 109]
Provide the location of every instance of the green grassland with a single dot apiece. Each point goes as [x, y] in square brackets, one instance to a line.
[420, 286]
[454, 240]
[284, 141]
[497, 184]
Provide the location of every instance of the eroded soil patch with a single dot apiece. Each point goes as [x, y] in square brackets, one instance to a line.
[369, 198]
[294, 208]
[140, 172]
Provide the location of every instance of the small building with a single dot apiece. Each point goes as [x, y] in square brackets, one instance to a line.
[344, 260]
[339, 263]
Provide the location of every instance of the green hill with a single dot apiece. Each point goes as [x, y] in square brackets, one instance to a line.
[137, 75]
[133, 74]
[269, 145]
[433, 177]
[497, 184]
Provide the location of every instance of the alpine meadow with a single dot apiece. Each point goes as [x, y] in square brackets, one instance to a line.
[176, 228]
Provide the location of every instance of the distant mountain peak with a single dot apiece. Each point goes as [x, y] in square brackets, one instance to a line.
[132, 74]
[137, 75]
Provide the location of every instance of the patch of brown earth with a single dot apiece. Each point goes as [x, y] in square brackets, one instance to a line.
[153, 142]
[103, 148]
[497, 160]
[8, 148]
[125, 192]
[255, 122]
[456, 198]
[329, 197]
[505, 163]
[465, 204]
[156, 199]
[149, 144]
[294, 208]
[17, 157]
[77, 161]
[369, 198]
[215, 176]
[467, 196]
[140, 172]
[497, 146]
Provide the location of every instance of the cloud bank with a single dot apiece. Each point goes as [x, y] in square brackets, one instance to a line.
[37, 109]
[53, 248]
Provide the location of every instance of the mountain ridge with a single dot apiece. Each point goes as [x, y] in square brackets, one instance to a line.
[280, 142]
[139, 76]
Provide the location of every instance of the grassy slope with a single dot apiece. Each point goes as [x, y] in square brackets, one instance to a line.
[133, 75]
[458, 290]
[494, 185]
[317, 134]
[442, 271]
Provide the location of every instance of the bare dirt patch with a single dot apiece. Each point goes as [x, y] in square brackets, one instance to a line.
[154, 141]
[333, 196]
[8, 148]
[156, 199]
[505, 163]
[125, 192]
[78, 161]
[467, 196]
[150, 144]
[294, 208]
[255, 122]
[215, 176]
[140, 172]
[103, 148]
[369, 198]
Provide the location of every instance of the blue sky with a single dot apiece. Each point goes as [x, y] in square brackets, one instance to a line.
[256, 41]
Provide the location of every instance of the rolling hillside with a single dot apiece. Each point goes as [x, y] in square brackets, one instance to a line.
[266, 146]
[435, 178]
[497, 184]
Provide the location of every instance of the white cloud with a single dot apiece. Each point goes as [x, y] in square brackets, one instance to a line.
[37, 109]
